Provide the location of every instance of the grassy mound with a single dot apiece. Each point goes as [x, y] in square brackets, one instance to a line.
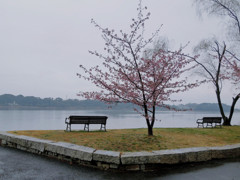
[129, 140]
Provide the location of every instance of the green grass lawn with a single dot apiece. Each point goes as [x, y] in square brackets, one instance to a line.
[129, 140]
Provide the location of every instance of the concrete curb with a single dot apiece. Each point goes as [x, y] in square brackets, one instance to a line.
[138, 161]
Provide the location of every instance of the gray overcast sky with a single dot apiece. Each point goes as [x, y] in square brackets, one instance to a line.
[42, 42]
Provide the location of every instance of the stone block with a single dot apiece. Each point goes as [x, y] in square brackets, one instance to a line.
[169, 156]
[139, 158]
[229, 151]
[12, 145]
[71, 150]
[3, 142]
[105, 166]
[34, 151]
[15, 139]
[8, 137]
[107, 156]
[143, 167]
[132, 167]
[21, 148]
[194, 154]
[33, 143]
[28, 142]
[57, 147]
[184, 155]
[83, 152]
[38, 144]
[203, 154]
[99, 164]
[114, 166]
[5, 135]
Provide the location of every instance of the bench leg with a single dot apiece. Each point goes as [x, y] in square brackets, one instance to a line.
[86, 126]
[68, 128]
[218, 124]
[103, 126]
[209, 125]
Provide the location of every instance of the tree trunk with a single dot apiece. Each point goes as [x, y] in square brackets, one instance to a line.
[226, 122]
[225, 119]
[150, 127]
[150, 131]
[151, 124]
[235, 99]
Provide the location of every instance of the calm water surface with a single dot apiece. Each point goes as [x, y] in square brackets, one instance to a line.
[14, 166]
[55, 119]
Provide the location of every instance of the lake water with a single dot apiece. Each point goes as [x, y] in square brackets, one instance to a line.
[55, 119]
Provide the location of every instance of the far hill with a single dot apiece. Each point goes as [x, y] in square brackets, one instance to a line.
[9, 101]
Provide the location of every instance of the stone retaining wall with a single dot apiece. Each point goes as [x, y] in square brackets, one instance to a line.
[101, 159]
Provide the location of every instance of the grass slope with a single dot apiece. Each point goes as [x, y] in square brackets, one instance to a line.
[129, 140]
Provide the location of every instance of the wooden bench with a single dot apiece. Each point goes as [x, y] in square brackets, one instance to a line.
[86, 120]
[209, 121]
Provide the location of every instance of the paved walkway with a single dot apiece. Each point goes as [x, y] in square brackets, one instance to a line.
[18, 165]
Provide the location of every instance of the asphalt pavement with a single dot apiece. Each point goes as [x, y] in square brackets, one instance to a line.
[19, 165]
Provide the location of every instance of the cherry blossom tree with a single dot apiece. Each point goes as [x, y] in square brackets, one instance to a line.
[236, 72]
[233, 68]
[129, 74]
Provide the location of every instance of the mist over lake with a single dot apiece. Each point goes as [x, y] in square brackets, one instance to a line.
[117, 119]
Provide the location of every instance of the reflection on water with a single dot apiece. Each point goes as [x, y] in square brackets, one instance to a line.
[122, 119]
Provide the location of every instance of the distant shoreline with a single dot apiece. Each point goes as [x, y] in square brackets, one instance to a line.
[20, 102]
[95, 108]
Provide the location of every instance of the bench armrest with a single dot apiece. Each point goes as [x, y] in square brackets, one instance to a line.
[67, 121]
[199, 121]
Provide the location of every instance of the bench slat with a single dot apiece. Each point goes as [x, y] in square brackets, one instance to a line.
[212, 120]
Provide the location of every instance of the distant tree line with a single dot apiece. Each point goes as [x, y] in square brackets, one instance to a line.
[9, 101]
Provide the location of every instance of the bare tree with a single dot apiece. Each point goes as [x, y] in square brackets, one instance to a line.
[215, 69]
[229, 9]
